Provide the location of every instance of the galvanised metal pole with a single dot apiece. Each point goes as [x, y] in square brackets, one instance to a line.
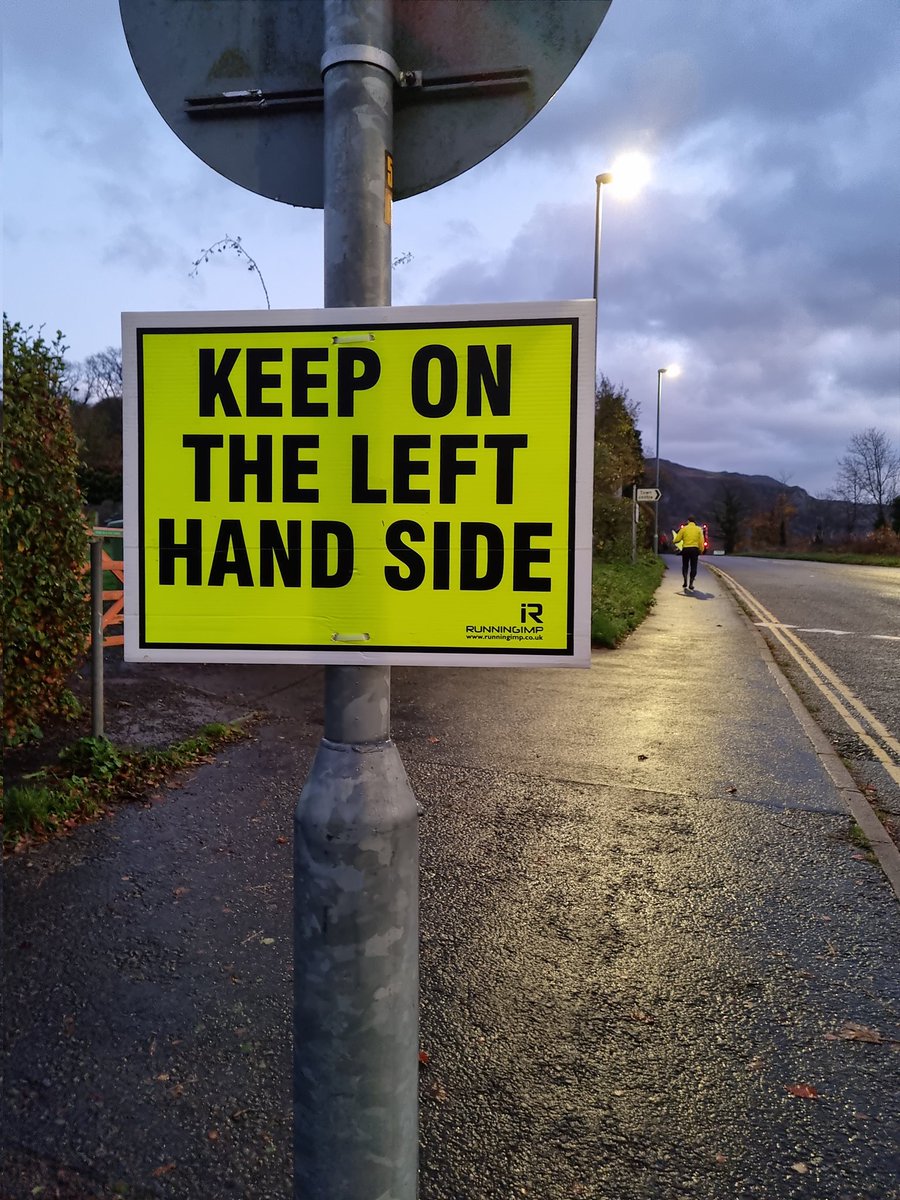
[96, 637]
[355, 829]
[634, 523]
[659, 374]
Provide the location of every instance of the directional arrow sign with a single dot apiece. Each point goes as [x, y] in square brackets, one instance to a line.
[649, 494]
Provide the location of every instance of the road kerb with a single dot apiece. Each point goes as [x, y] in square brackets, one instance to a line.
[883, 847]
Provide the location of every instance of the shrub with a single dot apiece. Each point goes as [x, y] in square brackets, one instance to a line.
[45, 540]
[613, 519]
[882, 541]
[99, 484]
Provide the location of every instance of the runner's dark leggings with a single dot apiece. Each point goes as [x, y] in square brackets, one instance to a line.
[690, 556]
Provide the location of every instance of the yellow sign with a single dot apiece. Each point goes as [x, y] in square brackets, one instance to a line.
[363, 485]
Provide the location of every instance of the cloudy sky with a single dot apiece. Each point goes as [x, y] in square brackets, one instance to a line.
[763, 256]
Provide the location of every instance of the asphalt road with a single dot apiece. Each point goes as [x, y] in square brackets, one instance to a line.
[653, 965]
[849, 616]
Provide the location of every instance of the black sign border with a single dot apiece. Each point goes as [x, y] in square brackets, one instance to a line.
[520, 649]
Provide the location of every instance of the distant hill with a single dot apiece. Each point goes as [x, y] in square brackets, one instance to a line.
[688, 491]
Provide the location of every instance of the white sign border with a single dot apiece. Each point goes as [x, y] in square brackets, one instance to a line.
[581, 311]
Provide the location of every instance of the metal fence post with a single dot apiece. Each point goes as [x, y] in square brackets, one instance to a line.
[97, 698]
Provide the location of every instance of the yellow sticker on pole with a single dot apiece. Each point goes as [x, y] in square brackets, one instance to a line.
[363, 485]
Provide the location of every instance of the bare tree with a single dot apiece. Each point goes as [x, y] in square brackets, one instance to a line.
[848, 494]
[871, 470]
[99, 377]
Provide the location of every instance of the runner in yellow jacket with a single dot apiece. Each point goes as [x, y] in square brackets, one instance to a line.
[690, 538]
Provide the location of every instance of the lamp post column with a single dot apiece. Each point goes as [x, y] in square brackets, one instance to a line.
[659, 375]
[606, 177]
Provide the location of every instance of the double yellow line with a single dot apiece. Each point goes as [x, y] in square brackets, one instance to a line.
[870, 731]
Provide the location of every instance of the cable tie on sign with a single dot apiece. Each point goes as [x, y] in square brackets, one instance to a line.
[342, 340]
[350, 637]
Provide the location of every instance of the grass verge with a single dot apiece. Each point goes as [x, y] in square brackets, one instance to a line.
[93, 773]
[622, 593]
[856, 560]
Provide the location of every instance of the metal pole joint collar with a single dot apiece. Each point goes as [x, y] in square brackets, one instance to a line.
[362, 54]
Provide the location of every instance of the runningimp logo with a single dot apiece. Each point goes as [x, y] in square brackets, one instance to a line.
[529, 629]
[531, 612]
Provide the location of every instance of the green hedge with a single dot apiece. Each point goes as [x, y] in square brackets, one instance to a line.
[45, 539]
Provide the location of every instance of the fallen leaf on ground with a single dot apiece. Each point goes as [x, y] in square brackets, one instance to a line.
[721, 1158]
[424, 1058]
[850, 1031]
[163, 1170]
[281, 841]
[213, 1135]
[804, 1090]
[436, 1091]
[801, 1168]
[433, 741]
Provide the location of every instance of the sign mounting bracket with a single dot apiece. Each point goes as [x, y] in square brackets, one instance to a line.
[414, 86]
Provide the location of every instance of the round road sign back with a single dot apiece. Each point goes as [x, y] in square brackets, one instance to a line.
[239, 82]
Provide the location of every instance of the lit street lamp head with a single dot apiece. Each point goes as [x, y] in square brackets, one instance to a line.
[606, 177]
[631, 172]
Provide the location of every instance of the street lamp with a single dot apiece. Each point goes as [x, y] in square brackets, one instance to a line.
[673, 371]
[606, 177]
[630, 172]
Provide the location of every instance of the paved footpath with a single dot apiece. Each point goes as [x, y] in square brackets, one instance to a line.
[654, 965]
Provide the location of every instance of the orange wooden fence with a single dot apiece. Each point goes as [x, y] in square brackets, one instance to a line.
[113, 599]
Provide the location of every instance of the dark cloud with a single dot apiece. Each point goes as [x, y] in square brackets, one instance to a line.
[657, 71]
[764, 254]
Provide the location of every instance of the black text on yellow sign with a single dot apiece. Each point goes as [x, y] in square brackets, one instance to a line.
[394, 490]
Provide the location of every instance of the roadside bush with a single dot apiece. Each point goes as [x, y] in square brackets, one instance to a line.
[612, 528]
[882, 541]
[45, 539]
[98, 484]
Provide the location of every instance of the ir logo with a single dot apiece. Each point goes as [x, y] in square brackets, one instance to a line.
[532, 611]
